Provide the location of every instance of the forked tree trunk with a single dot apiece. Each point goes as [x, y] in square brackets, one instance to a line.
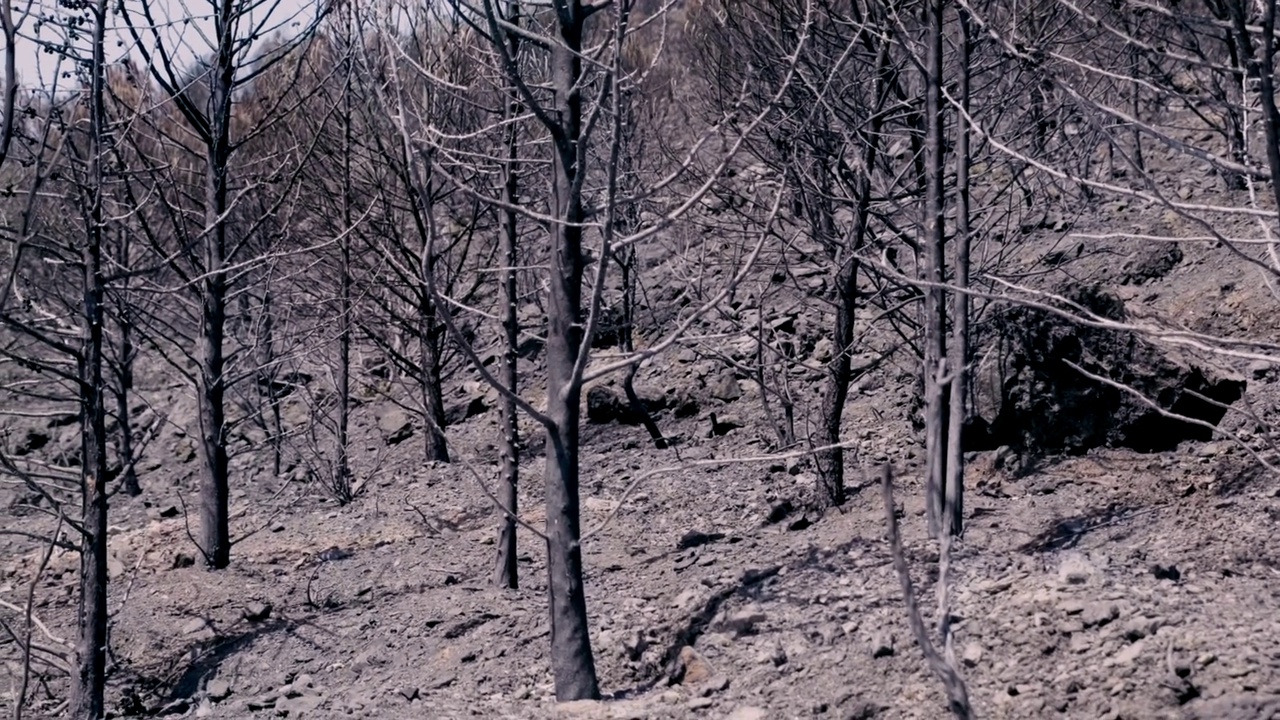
[830, 463]
[508, 574]
[89, 672]
[572, 662]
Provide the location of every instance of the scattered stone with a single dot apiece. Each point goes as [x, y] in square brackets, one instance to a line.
[747, 712]
[1260, 369]
[1075, 570]
[218, 690]
[693, 539]
[779, 511]
[194, 625]
[744, 622]
[1141, 627]
[256, 611]
[170, 511]
[394, 423]
[1154, 260]
[882, 645]
[302, 706]
[693, 667]
[1129, 653]
[462, 412]
[605, 406]
[726, 388]
[409, 693]
[972, 655]
[1098, 614]
[700, 703]
[265, 701]
[717, 684]
[442, 682]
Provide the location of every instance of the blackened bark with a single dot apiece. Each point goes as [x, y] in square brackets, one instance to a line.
[431, 333]
[953, 495]
[572, 662]
[89, 671]
[215, 532]
[935, 345]
[508, 574]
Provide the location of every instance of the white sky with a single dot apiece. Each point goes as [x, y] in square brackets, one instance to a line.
[183, 27]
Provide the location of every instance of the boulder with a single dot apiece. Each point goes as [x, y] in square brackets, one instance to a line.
[1028, 396]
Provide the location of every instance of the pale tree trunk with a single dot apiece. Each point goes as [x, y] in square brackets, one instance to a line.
[508, 573]
[572, 662]
[124, 382]
[954, 493]
[934, 240]
[89, 671]
[215, 531]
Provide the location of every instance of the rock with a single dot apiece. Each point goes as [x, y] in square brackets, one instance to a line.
[28, 441]
[1260, 369]
[823, 350]
[972, 655]
[115, 567]
[218, 690]
[1129, 653]
[1075, 570]
[744, 622]
[605, 406]
[1166, 572]
[693, 668]
[182, 560]
[256, 611]
[170, 511]
[882, 645]
[1152, 262]
[717, 684]
[1098, 614]
[1141, 627]
[460, 413]
[1028, 396]
[747, 712]
[302, 706]
[409, 693]
[726, 388]
[194, 625]
[394, 423]
[266, 701]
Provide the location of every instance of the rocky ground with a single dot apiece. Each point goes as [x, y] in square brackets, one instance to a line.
[1108, 584]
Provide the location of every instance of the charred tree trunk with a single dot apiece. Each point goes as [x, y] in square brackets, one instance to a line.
[934, 240]
[342, 462]
[89, 672]
[508, 574]
[572, 662]
[953, 497]
[830, 463]
[430, 334]
[627, 276]
[215, 530]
